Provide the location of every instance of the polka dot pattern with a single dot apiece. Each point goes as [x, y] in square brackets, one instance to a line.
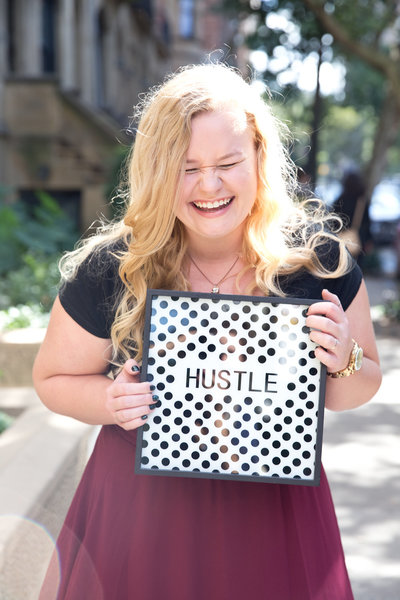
[239, 385]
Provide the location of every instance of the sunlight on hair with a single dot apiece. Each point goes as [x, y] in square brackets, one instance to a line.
[150, 243]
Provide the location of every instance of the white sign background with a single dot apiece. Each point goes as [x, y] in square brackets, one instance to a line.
[242, 394]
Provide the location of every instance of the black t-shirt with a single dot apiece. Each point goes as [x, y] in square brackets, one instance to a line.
[90, 297]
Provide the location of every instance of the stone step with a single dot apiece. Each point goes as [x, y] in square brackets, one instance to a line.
[40, 454]
[18, 349]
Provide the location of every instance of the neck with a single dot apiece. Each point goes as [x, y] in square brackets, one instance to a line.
[212, 264]
[210, 251]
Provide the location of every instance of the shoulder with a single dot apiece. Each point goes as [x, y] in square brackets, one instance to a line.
[344, 282]
[313, 238]
[103, 261]
[91, 295]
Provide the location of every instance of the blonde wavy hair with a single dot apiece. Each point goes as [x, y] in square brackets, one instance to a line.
[281, 235]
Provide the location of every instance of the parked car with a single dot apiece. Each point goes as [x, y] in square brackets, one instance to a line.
[384, 212]
[328, 190]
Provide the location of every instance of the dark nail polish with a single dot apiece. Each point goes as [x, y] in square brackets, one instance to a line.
[153, 406]
[155, 397]
[144, 417]
[135, 369]
[152, 387]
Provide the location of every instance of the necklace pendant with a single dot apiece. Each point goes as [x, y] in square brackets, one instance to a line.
[215, 290]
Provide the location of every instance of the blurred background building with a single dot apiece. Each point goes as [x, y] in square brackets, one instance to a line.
[70, 73]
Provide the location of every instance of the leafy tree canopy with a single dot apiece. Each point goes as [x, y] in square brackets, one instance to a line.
[364, 35]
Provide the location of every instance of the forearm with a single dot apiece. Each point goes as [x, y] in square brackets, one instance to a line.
[334, 331]
[82, 397]
[353, 391]
[70, 376]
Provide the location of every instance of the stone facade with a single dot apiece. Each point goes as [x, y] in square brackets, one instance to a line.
[70, 73]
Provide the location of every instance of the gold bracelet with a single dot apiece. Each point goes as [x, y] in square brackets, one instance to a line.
[354, 365]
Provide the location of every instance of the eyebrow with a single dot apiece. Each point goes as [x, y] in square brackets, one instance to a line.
[190, 161]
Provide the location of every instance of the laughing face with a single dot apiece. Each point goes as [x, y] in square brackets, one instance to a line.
[220, 180]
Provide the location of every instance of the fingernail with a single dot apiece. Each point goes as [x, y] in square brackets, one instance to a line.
[135, 369]
[144, 417]
[152, 387]
[153, 406]
[155, 397]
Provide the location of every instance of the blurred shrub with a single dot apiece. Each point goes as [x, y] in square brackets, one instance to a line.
[5, 421]
[23, 315]
[116, 188]
[31, 242]
[392, 310]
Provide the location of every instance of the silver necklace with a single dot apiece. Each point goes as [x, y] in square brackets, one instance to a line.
[215, 288]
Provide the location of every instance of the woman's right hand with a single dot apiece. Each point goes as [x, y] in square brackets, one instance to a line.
[71, 377]
[130, 401]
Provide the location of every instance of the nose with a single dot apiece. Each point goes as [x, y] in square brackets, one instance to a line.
[209, 179]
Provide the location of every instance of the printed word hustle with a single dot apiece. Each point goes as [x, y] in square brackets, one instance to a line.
[224, 380]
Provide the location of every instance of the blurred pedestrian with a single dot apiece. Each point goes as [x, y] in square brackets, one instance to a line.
[352, 206]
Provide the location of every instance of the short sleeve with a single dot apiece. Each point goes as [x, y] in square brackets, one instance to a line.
[347, 286]
[90, 297]
[303, 284]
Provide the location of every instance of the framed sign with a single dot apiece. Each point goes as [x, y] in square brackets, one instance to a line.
[241, 392]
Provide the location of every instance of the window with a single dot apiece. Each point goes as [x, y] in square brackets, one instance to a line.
[186, 18]
[48, 36]
[11, 49]
[100, 41]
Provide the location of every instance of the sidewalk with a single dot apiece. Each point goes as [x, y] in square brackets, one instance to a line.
[361, 455]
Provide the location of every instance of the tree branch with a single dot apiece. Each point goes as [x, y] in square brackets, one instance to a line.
[375, 59]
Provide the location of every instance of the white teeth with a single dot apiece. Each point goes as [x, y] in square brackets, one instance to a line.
[215, 204]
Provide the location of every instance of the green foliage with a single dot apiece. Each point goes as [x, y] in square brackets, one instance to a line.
[392, 310]
[289, 29]
[34, 281]
[367, 21]
[296, 114]
[279, 28]
[31, 242]
[364, 86]
[5, 421]
[23, 315]
[346, 127]
[117, 181]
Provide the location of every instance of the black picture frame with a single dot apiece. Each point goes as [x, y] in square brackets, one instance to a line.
[219, 416]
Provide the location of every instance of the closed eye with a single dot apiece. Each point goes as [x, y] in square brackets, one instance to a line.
[223, 167]
[229, 165]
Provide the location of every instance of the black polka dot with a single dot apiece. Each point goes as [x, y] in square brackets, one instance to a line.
[191, 331]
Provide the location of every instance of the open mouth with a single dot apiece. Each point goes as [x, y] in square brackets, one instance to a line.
[214, 206]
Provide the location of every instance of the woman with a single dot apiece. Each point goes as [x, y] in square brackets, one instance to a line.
[208, 209]
[352, 207]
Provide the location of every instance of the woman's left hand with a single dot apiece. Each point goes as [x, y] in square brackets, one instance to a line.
[330, 330]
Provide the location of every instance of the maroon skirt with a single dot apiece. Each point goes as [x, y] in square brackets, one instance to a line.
[141, 537]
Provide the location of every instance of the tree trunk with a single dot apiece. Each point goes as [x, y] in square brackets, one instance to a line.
[316, 125]
[385, 136]
[389, 123]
